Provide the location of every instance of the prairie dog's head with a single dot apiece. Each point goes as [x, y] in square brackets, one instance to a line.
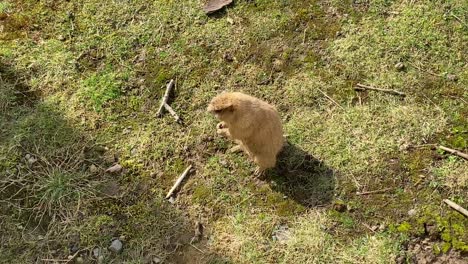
[223, 106]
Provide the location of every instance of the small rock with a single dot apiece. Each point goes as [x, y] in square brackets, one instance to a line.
[230, 20]
[399, 66]
[214, 5]
[114, 169]
[374, 228]
[172, 200]
[400, 260]
[79, 260]
[412, 212]
[452, 77]
[61, 37]
[96, 252]
[32, 160]
[93, 168]
[382, 227]
[40, 237]
[74, 248]
[28, 156]
[156, 260]
[126, 131]
[282, 234]
[116, 246]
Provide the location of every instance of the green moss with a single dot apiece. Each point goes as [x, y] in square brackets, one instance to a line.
[404, 227]
[201, 194]
[101, 88]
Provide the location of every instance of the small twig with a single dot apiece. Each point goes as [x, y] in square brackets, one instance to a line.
[422, 146]
[178, 182]
[195, 247]
[70, 258]
[454, 152]
[245, 200]
[362, 87]
[456, 207]
[331, 99]
[172, 112]
[165, 98]
[368, 227]
[373, 192]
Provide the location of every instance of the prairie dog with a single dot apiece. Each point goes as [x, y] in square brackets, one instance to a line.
[254, 124]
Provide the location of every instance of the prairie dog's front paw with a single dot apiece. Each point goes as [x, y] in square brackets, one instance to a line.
[221, 125]
[222, 129]
[223, 132]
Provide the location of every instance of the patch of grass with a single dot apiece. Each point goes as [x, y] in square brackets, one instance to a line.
[84, 82]
[99, 89]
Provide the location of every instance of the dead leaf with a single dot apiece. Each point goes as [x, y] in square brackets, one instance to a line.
[214, 5]
[114, 169]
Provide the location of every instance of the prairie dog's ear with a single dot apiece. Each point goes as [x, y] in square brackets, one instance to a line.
[229, 108]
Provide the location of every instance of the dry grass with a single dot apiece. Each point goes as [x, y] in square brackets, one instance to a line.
[81, 83]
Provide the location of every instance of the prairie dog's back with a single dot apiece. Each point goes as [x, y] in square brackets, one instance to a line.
[253, 122]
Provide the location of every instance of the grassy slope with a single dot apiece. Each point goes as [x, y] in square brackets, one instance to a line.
[81, 81]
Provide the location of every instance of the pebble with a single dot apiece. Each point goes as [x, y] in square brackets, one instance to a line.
[93, 168]
[116, 246]
[412, 212]
[79, 260]
[96, 252]
[399, 66]
[156, 260]
[452, 77]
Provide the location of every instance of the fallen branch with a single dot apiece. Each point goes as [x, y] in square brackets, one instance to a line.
[362, 87]
[165, 98]
[178, 182]
[456, 207]
[172, 112]
[373, 192]
[454, 152]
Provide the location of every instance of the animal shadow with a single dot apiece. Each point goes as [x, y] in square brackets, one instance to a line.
[301, 177]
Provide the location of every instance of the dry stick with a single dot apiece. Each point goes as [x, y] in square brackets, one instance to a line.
[372, 192]
[165, 97]
[455, 152]
[368, 227]
[362, 87]
[178, 182]
[331, 99]
[70, 258]
[456, 207]
[172, 112]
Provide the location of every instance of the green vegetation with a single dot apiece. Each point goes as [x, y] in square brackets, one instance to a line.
[81, 83]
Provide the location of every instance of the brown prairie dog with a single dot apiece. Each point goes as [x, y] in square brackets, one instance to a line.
[254, 124]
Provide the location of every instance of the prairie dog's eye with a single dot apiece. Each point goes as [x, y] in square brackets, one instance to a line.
[218, 111]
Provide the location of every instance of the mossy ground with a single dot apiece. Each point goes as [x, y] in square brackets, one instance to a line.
[81, 83]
